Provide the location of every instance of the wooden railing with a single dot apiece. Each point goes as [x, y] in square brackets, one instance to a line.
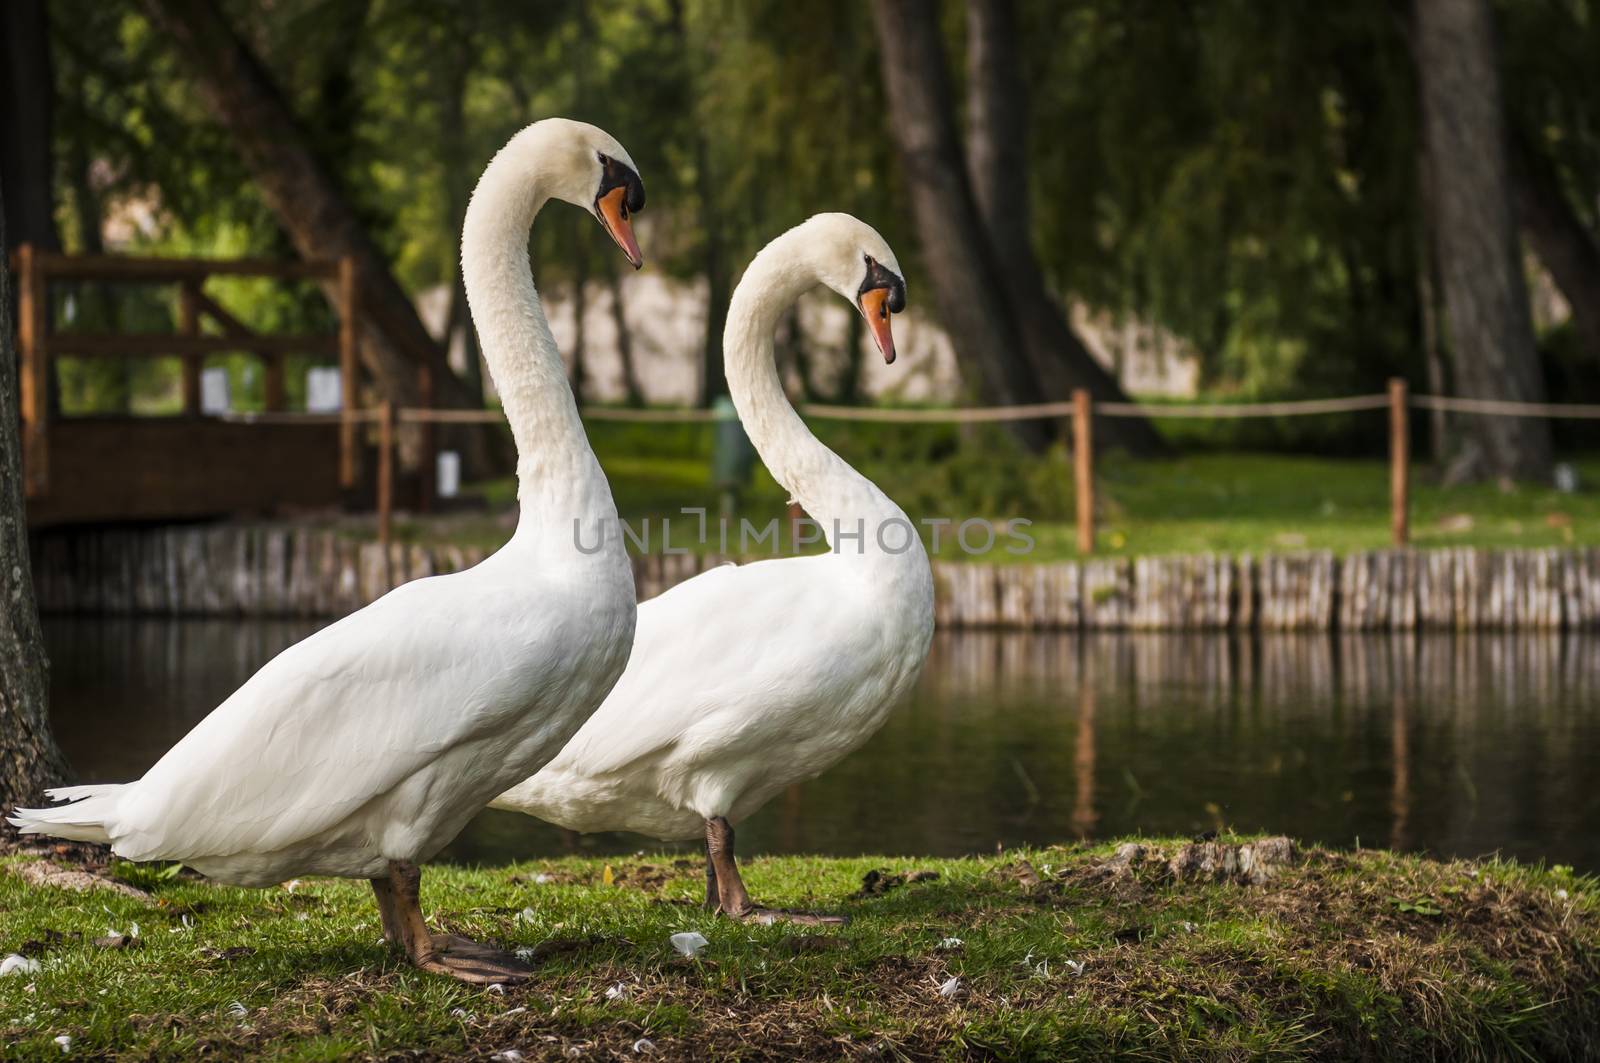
[39, 343]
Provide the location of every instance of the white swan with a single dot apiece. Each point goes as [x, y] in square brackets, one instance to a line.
[747, 679]
[363, 750]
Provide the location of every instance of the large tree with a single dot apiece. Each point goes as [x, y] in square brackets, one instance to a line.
[302, 191]
[1480, 265]
[27, 94]
[989, 293]
[967, 282]
[997, 161]
[29, 759]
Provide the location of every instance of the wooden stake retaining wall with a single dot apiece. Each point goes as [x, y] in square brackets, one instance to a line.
[249, 570]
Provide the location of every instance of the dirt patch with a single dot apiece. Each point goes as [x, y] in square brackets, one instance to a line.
[49, 874]
[642, 876]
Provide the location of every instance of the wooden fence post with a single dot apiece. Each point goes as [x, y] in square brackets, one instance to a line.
[795, 514]
[1399, 462]
[385, 473]
[189, 325]
[349, 306]
[1083, 468]
[32, 301]
[272, 386]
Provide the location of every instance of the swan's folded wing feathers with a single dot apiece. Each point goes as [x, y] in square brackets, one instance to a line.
[699, 665]
[328, 725]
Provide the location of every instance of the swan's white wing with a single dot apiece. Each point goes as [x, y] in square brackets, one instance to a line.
[339, 719]
[715, 656]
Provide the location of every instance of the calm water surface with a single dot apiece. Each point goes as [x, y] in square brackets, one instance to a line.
[1453, 745]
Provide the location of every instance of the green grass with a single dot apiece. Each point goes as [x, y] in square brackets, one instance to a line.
[1260, 502]
[1346, 955]
[1208, 502]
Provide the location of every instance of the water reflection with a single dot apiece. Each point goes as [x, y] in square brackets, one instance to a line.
[1452, 744]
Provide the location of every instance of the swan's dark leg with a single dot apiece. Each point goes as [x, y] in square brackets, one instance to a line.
[712, 897]
[444, 953]
[733, 899]
[720, 868]
[383, 889]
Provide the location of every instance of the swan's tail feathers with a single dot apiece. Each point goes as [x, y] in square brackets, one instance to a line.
[84, 820]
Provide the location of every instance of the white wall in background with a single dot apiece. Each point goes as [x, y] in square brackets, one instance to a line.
[447, 474]
[214, 395]
[323, 393]
[666, 319]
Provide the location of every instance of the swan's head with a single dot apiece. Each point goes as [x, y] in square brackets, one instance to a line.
[853, 260]
[585, 166]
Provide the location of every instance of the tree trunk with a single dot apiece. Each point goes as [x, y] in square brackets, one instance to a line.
[997, 161]
[458, 192]
[1433, 358]
[27, 92]
[1428, 315]
[848, 393]
[100, 311]
[29, 759]
[1480, 267]
[27, 97]
[302, 192]
[713, 377]
[713, 255]
[791, 351]
[619, 318]
[1560, 240]
[580, 309]
[968, 285]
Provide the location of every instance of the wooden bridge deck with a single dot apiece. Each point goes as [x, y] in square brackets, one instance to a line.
[107, 469]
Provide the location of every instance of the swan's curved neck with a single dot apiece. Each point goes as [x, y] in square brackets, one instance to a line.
[558, 478]
[836, 496]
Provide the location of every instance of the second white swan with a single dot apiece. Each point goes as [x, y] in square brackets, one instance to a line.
[748, 679]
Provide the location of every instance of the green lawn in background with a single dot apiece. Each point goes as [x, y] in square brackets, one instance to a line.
[1223, 502]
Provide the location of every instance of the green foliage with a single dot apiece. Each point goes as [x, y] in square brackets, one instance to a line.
[1552, 92]
[1243, 175]
[1416, 906]
[144, 876]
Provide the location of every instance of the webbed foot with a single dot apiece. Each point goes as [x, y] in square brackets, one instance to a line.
[470, 961]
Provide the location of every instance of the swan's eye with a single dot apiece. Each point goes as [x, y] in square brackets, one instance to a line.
[881, 278]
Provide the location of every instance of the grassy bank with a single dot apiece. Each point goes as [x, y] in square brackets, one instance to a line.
[1193, 503]
[1032, 954]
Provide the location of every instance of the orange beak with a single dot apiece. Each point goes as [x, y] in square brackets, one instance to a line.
[875, 308]
[614, 216]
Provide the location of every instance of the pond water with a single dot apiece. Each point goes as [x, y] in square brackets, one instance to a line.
[1452, 745]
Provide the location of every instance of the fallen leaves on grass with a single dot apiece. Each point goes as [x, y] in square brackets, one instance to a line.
[798, 944]
[876, 883]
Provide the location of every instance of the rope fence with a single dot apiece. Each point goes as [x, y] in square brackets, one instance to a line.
[1080, 411]
[1214, 410]
[972, 414]
[1506, 408]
